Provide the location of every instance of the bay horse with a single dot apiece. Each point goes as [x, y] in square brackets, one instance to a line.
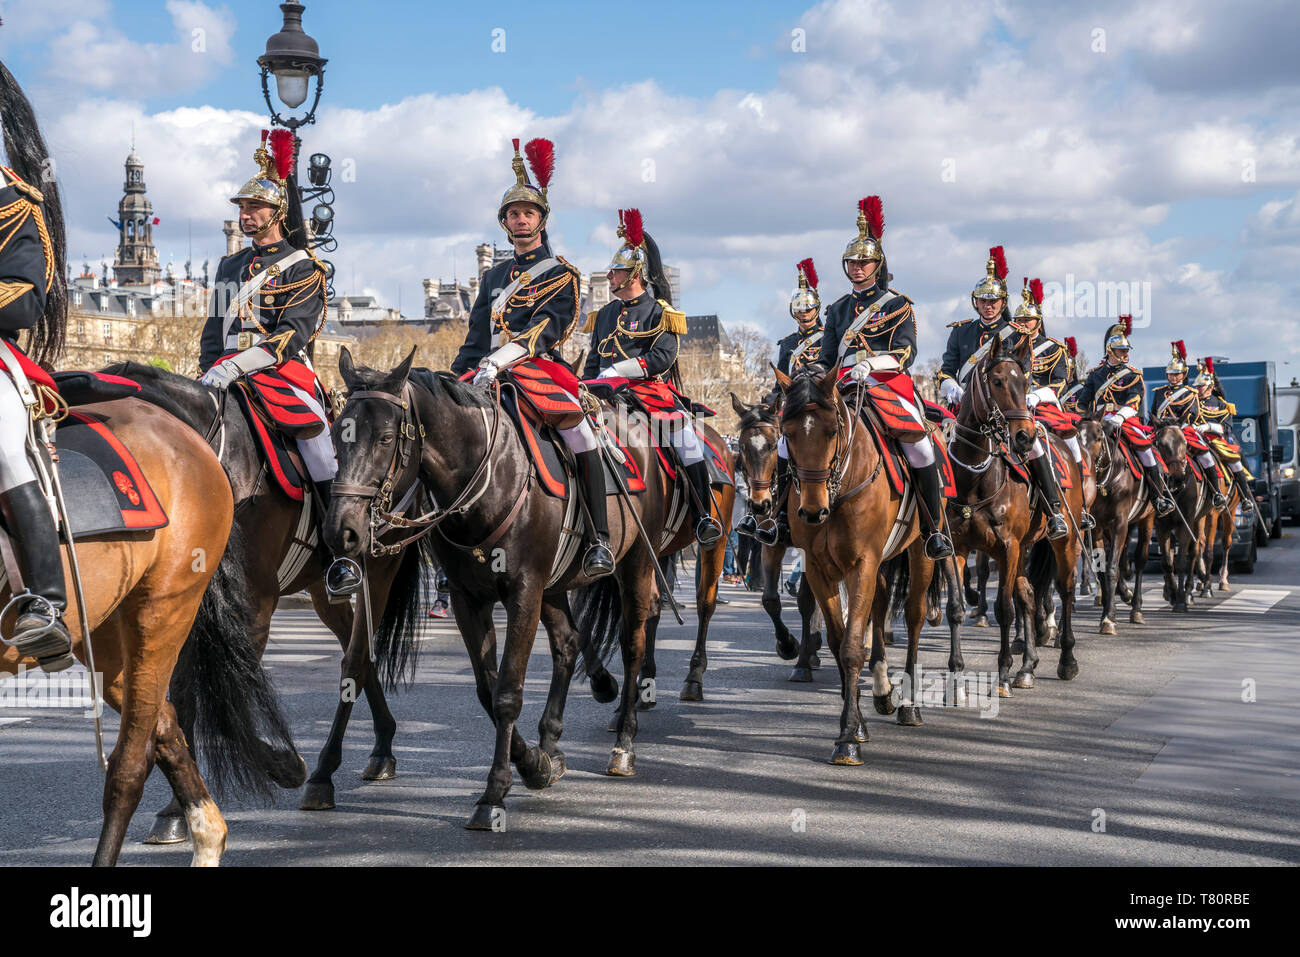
[757, 440]
[1123, 500]
[994, 513]
[1220, 526]
[272, 524]
[1178, 533]
[849, 524]
[146, 593]
[498, 537]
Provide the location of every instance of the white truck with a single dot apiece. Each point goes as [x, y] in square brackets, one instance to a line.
[1288, 436]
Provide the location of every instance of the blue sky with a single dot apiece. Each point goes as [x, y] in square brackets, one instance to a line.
[1118, 161]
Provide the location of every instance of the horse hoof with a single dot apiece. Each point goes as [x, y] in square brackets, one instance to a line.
[168, 830]
[889, 639]
[487, 817]
[847, 755]
[1004, 689]
[800, 673]
[1107, 628]
[1224, 586]
[982, 621]
[288, 770]
[884, 703]
[909, 715]
[787, 649]
[1018, 647]
[380, 769]
[622, 764]
[1024, 680]
[1135, 617]
[540, 778]
[1096, 600]
[861, 736]
[692, 691]
[612, 728]
[1067, 671]
[318, 796]
[558, 767]
[604, 688]
[814, 660]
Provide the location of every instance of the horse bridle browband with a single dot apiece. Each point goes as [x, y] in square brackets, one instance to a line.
[833, 475]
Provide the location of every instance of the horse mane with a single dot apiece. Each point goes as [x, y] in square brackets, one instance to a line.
[759, 414]
[460, 393]
[804, 392]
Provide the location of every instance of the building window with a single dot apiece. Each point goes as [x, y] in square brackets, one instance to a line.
[108, 333]
[81, 325]
[108, 358]
[130, 306]
[76, 298]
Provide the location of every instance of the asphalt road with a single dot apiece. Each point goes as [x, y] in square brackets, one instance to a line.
[1151, 756]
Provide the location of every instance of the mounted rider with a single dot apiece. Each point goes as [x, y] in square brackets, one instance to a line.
[796, 352]
[268, 305]
[637, 337]
[1177, 400]
[33, 298]
[1215, 422]
[1050, 371]
[872, 332]
[531, 301]
[1116, 388]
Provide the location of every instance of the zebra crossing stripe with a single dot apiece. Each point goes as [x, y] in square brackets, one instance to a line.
[1253, 601]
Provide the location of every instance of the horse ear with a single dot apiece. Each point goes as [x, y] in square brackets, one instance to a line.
[348, 368]
[739, 406]
[783, 381]
[830, 378]
[404, 370]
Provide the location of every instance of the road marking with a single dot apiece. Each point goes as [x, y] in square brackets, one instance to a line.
[290, 659]
[1253, 601]
[5, 721]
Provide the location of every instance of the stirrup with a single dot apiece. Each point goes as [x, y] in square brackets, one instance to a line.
[1220, 501]
[708, 532]
[1056, 527]
[342, 580]
[769, 533]
[938, 546]
[747, 525]
[1164, 505]
[598, 561]
[46, 639]
[1086, 522]
[1247, 505]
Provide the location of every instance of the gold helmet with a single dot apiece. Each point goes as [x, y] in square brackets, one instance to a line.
[274, 167]
[805, 297]
[1031, 303]
[994, 284]
[631, 256]
[1178, 364]
[1117, 335]
[1204, 373]
[541, 157]
[871, 228]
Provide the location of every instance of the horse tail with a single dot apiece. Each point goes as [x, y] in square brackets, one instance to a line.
[598, 615]
[239, 729]
[402, 624]
[1040, 568]
[898, 577]
[934, 596]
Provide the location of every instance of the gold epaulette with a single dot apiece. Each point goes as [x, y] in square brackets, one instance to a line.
[24, 187]
[674, 320]
[590, 325]
[897, 293]
[959, 322]
[1232, 408]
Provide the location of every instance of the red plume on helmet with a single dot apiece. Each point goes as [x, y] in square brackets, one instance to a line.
[1128, 324]
[1180, 349]
[282, 152]
[1036, 290]
[633, 230]
[999, 262]
[806, 267]
[874, 210]
[1071, 346]
[541, 159]
[1208, 362]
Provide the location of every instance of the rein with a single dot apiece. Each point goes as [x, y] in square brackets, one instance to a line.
[993, 421]
[384, 518]
[834, 474]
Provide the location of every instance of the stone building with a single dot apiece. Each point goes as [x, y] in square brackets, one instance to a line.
[136, 262]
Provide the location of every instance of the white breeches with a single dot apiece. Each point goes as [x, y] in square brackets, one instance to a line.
[781, 452]
[318, 451]
[687, 443]
[1236, 466]
[1073, 443]
[1147, 457]
[15, 470]
[1207, 460]
[1037, 450]
[581, 438]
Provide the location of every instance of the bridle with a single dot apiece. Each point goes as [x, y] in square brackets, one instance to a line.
[833, 474]
[385, 517]
[993, 421]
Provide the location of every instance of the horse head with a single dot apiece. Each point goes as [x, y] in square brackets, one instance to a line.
[369, 436]
[1171, 443]
[757, 442]
[813, 425]
[999, 384]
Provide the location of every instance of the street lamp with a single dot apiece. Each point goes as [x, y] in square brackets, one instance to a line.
[294, 58]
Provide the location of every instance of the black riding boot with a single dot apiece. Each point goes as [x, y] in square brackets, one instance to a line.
[779, 531]
[747, 525]
[39, 631]
[937, 544]
[1045, 479]
[599, 560]
[707, 530]
[343, 577]
[1163, 501]
[1247, 493]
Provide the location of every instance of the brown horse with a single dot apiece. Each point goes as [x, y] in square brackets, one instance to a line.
[757, 442]
[1217, 535]
[995, 513]
[1180, 532]
[849, 523]
[1123, 501]
[144, 593]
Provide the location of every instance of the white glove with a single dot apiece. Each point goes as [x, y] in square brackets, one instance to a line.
[950, 391]
[1045, 394]
[1214, 427]
[606, 373]
[871, 364]
[627, 369]
[1114, 418]
[222, 375]
[1126, 412]
[1032, 400]
[485, 374]
[860, 372]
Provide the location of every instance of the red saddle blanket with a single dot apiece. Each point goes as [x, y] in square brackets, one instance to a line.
[283, 409]
[1058, 420]
[104, 487]
[277, 450]
[549, 387]
[895, 464]
[35, 374]
[1060, 465]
